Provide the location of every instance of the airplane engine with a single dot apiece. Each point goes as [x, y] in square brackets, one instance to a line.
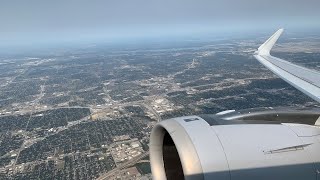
[252, 145]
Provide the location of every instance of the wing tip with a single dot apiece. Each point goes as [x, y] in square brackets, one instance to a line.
[266, 47]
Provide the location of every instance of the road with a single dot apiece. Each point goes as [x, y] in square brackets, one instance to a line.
[123, 166]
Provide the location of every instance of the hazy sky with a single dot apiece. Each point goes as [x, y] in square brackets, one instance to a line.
[40, 20]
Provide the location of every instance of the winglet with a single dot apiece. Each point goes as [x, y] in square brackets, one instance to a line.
[265, 48]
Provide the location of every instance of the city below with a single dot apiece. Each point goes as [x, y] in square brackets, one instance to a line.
[87, 113]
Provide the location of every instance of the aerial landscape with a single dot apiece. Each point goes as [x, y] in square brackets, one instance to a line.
[100, 89]
[87, 112]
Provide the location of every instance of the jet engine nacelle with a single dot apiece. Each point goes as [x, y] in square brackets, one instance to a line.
[208, 147]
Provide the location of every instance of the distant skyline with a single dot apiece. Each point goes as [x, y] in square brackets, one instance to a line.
[32, 21]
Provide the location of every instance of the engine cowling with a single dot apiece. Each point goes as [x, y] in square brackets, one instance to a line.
[208, 147]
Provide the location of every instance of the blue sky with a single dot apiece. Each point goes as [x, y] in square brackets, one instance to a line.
[32, 21]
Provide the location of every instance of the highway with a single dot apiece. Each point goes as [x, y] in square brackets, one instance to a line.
[127, 164]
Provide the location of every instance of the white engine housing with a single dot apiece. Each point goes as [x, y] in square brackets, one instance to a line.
[194, 148]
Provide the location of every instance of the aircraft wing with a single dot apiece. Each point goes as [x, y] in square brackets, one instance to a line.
[304, 79]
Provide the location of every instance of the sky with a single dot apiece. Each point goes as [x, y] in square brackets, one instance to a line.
[32, 21]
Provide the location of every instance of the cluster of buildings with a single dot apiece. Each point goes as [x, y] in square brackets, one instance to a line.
[162, 105]
[125, 150]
